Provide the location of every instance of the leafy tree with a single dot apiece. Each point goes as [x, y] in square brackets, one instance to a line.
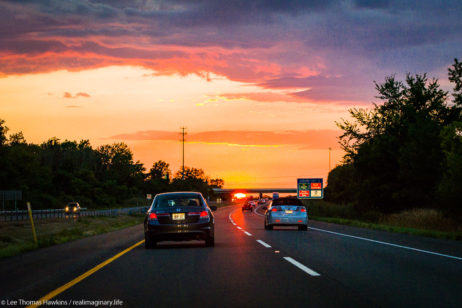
[160, 171]
[342, 186]
[394, 150]
[3, 131]
[450, 188]
[17, 138]
[56, 172]
[194, 180]
[216, 183]
[158, 177]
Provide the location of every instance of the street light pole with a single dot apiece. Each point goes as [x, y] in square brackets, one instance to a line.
[330, 149]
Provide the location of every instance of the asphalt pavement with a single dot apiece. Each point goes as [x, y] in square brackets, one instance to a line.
[327, 266]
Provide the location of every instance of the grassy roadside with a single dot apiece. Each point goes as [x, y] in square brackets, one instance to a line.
[16, 238]
[390, 228]
[423, 222]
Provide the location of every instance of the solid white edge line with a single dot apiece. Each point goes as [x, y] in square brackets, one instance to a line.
[302, 267]
[255, 210]
[264, 244]
[247, 233]
[389, 244]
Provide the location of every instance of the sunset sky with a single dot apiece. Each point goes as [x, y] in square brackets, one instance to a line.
[258, 84]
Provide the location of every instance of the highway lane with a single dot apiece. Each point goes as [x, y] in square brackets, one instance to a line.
[388, 275]
[237, 272]
[241, 272]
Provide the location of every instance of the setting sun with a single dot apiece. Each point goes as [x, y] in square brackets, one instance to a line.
[239, 196]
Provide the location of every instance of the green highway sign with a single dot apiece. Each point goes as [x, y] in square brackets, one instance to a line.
[310, 188]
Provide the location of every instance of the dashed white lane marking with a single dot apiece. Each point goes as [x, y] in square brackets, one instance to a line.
[302, 267]
[389, 244]
[264, 244]
[247, 233]
[239, 228]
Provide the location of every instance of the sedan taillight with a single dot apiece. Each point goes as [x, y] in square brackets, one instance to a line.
[303, 209]
[152, 216]
[204, 214]
[274, 209]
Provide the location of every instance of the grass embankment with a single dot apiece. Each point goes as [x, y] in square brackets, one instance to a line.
[16, 238]
[425, 222]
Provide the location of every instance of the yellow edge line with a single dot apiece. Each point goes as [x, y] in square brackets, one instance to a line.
[81, 277]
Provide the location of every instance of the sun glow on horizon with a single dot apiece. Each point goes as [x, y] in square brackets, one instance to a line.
[240, 196]
[237, 140]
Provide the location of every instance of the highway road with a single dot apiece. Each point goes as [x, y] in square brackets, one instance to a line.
[327, 266]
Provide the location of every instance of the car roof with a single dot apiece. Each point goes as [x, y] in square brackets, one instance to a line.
[180, 194]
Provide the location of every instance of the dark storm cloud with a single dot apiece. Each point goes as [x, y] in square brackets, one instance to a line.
[270, 43]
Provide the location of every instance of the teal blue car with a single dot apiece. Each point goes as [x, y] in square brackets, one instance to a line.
[286, 212]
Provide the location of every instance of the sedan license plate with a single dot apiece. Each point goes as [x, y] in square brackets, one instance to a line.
[289, 212]
[178, 216]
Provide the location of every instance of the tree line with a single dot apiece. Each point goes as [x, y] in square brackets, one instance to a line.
[405, 152]
[56, 172]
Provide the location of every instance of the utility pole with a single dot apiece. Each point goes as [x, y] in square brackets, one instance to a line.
[182, 139]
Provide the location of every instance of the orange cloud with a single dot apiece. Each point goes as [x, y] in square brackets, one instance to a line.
[308, 139]
[266, 97]
[79, 94]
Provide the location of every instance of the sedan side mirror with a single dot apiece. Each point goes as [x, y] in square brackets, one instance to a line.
[213, 208]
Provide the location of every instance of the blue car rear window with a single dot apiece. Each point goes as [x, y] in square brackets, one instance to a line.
[287, 201]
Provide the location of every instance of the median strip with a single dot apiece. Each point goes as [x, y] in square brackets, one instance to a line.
[71, 283]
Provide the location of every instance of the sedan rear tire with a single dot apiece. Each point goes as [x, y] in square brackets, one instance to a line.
[267, 226]
[210, 241]
[149, 243]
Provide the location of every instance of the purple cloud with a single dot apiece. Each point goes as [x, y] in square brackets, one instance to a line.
[347, 44]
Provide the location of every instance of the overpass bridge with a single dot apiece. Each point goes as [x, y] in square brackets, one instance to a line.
[260, 191]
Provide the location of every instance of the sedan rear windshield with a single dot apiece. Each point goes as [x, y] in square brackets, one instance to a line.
[174, 201]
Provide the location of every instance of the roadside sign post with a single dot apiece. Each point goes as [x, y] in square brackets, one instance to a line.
[32, 223]
[311, 188]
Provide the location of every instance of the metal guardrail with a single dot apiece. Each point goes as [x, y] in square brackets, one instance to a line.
[7, 216]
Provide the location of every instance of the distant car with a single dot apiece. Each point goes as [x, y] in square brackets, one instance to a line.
[286, 212]
[247, 206]
[179, 216]
[72, 208]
